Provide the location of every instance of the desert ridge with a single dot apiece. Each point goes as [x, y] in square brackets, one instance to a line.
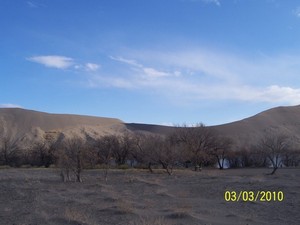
[36, 126]
[284, 120]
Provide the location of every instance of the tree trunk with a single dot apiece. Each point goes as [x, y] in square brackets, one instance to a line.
[106, 172]
[166, 167]
[78, 177]
[149, 167]
[274, 170]
[65, 175]
[169, 170]
[221, 166]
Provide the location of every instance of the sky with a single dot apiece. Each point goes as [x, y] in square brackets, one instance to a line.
[164, 62]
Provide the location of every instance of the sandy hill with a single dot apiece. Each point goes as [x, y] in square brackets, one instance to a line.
[33, 125]
[280, 119]
[156, 129]
[247, 131]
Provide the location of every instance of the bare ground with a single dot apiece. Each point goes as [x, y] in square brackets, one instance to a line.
[134, 197]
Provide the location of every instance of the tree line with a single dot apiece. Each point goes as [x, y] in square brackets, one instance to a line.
[195, 147]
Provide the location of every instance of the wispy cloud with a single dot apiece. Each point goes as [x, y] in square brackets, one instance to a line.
[59, 62]
[206, 75]
[216, 2]
[194, 75]
[127, 61]
[92, 66]
[281, 94]
[9, 105]
[31, 4]
[297, 12]
[63, 62]
[34, 4]
[144, 71]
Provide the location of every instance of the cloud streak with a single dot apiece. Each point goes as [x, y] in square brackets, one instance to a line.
[146, 72]
[216, 2]
[63, 62]
[10, 105]
[193, 75]
[297, 12]
[205, 75]
[54, 61]
[92, 66]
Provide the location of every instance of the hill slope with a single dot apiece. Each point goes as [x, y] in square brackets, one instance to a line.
[282, 119]
[34, 126]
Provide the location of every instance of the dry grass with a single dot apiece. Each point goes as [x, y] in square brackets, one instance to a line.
[79, 216]
[32, 196]
[150, 221]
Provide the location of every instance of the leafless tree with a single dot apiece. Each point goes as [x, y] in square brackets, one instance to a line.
[291, 157]
[9, 150]
[197, 141]
[273, 145]
[142, 151]
[124, 149]
[220, 149]
[42, 153]
[71, 158]
[106, 146]
[91, 156]
[233, 158]
[167, 153]
[157, 149]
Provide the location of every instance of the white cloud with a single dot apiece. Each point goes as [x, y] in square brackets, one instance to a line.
[270, 94]
[169, 124]
[35, 4]
[96, 81]
[31, 4]
[9, 105]
[141, 70]
[194, 75]
[280, 94]
[59, 62]
[127, 61]
[297, 12]
[201, 74]
[92, 66]
[216, 2]
[151, 72]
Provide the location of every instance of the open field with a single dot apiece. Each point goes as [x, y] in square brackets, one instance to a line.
[37, 196]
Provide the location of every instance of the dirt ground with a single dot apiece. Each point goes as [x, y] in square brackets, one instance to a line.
[136, 197]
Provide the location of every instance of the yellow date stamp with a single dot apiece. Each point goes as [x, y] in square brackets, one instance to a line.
[253, 196]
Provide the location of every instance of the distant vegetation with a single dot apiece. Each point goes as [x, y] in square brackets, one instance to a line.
[195, 147]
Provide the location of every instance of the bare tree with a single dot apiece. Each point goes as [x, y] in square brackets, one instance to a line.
[105, 147]
[197, 142]
[42, 153]
[291, 157]
[220, 149]
[126, 145]
[9, 150]
[233, 158]
[142, 151]
[167, 153]
[91, 156]
[71, 158]
[157, 149]
[273, 146]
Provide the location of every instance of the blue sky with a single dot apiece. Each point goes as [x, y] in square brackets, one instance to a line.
[150, 61]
